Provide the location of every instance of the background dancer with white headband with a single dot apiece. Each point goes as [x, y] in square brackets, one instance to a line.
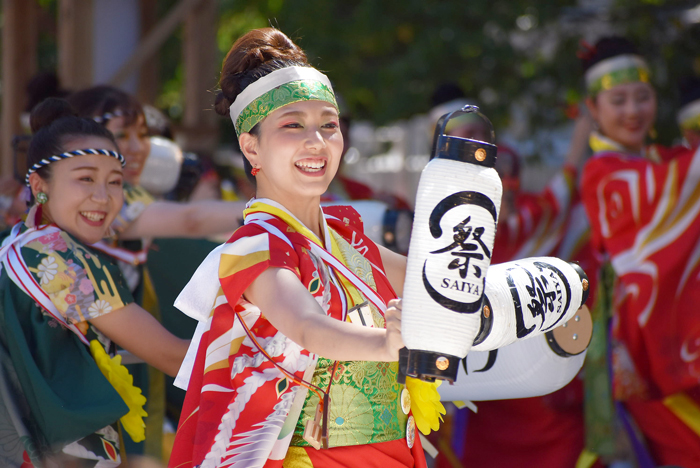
[301, 308]
[123, 115]
[65, 306]
[643, 204]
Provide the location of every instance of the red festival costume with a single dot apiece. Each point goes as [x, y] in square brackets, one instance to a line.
[240, 409]
[645, 215]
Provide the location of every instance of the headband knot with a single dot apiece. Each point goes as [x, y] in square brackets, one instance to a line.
[587, 50]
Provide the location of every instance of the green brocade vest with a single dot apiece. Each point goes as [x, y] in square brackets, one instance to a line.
[365, 405]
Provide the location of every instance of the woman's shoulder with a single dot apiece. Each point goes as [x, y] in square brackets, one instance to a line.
[251, 230]
[81, 281]
[274, 242]
[343, 215]
[609, 161]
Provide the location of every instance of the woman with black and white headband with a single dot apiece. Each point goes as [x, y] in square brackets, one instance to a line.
[64, 306]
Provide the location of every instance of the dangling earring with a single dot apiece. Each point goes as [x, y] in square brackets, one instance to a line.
[35, 214]
[254, 171]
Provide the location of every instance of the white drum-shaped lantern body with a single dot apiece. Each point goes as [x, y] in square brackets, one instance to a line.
[529, 297]
[524, 369]
[457, 205]
[161, 171]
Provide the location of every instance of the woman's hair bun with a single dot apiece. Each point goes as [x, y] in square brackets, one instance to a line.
[266, 45]
[605, 48]
[222, 104]
[48, 111]
[254, 55]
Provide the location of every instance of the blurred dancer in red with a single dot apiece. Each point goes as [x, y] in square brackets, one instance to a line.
[643, 203]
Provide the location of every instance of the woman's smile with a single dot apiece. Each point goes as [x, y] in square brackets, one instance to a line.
[625, 113]
[94, 218]
[312, 167]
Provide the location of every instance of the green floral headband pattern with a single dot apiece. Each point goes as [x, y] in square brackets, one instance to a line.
[289, 93]
[278, 89]
[614, 71]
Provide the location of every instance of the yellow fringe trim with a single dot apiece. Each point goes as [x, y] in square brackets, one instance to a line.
[123, 383]
[586, 459]
[425, 404]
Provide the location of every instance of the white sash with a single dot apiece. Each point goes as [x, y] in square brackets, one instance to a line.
[132, 258]
[19, 273]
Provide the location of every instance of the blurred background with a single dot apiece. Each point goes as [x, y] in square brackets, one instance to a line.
[516, 59]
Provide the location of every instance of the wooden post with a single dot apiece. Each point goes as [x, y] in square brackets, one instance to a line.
[148, 76]
[150, 44]
[19, 64]
[201, 62]
[75, 44]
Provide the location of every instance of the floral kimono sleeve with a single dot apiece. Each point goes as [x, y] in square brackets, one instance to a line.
[81, 282]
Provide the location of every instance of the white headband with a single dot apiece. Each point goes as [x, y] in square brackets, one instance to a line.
[613, 64]
[688, 112]
[273, 80]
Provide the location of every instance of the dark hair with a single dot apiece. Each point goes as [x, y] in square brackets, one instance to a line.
[689, 89]
[100, 100]
[446, 92]
[55, 122]
[254, 55]
[605, 48]
[41, 86]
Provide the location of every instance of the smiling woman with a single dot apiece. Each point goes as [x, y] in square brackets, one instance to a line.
[299, 155]
[300, 350]
[64, 307]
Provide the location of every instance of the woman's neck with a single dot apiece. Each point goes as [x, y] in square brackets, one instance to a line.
[311, 218]
[600, 142]
[308, 212]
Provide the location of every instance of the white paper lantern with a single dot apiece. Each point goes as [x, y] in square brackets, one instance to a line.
[161, 171]
[524, 369]
[529, 297]
[457, 205]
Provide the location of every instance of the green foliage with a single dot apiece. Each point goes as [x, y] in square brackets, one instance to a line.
[672, 46]
[386, 57]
